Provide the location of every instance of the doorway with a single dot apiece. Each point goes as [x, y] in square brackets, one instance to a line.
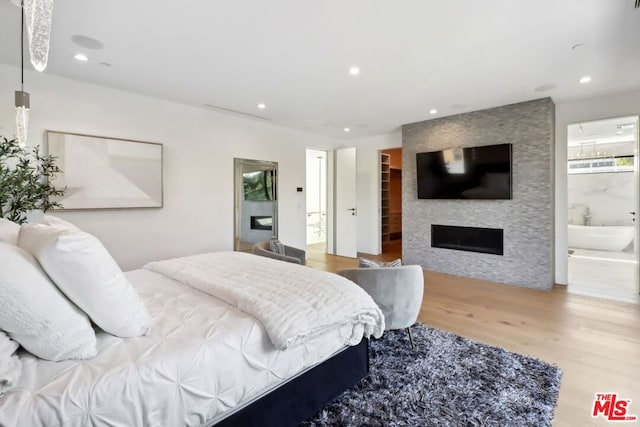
[602, 204]
[391, 200]
[316, 162]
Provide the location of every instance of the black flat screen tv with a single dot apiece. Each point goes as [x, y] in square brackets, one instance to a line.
[465, 173]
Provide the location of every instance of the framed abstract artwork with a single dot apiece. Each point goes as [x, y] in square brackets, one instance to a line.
[106, 173]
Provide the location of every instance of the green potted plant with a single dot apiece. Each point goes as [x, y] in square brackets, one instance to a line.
[25, 181]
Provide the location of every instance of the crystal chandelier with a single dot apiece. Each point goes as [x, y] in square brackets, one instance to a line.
[38, 17]
[22, 97]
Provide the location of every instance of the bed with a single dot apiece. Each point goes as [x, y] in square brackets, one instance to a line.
[206, 360]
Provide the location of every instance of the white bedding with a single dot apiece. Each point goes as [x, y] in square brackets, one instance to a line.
[10, 364]
[202, 359]
[293, 302]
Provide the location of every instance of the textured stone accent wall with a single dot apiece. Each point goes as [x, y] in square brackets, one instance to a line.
[527, 219]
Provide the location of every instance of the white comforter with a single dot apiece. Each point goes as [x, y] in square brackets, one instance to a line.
[293, 302]
[202, 360]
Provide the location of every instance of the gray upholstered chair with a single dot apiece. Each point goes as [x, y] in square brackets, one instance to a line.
[397, 291]
[291, 254]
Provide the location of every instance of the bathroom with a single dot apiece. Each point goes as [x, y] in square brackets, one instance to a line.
[602, 201]
[316, 199]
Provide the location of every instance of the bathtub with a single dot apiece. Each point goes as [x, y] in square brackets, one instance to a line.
[604, 238]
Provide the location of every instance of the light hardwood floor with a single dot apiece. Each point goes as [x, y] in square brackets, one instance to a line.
[595, 342]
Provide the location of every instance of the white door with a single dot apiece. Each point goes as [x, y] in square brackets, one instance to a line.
[345, 196]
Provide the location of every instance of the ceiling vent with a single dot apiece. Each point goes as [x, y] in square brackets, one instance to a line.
[626, 125]
[236, 112]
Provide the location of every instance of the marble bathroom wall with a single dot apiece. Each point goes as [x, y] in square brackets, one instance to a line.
[609, 197]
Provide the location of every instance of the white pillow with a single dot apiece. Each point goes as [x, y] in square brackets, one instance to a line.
[10, 363]
[54, 221]
[36, 314]
[9, 231]
[87, 274]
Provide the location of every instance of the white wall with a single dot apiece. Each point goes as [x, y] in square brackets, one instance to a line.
[368, 188]
[604, 107]
[199, 147]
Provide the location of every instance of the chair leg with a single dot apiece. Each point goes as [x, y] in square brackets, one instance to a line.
[413, 347]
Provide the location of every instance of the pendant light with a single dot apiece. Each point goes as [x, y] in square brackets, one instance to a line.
[22, 97]
[38, 18]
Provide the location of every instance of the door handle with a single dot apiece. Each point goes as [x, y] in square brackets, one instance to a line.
[354, 211]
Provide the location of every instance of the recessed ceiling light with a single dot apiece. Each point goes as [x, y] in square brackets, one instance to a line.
[80, 57]
[585, 79]
[262, 106]
[354, 71]
[620, 132]
[433, 111]
[347, 130]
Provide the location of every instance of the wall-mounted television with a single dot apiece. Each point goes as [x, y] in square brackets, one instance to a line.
[258, 185]
[465, 173]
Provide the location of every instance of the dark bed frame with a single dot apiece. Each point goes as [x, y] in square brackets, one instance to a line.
[303, 396]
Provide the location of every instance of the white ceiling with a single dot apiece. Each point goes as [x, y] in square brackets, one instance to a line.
[603, 131]
[613, 137]
[294, 55]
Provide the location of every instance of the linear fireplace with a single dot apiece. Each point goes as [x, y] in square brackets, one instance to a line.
[261, 222]
[473, 239]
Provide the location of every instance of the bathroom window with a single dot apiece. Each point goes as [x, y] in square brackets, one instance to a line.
[601, 165]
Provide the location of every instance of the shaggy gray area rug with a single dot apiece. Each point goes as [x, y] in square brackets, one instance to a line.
[446, 381]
